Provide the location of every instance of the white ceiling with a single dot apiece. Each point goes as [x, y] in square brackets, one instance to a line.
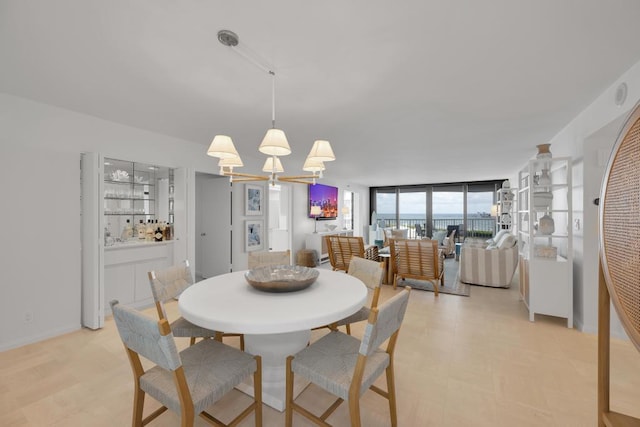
[407, 91]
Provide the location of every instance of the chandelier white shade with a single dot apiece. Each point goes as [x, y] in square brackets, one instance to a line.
[222, 147]
[322, 151]
[275, 143]
[272, 165]
[313, 165]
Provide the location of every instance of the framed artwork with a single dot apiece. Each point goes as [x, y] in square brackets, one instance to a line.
[253, 199]
[253, 230]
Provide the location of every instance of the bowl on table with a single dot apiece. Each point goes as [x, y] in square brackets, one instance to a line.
[281, 278]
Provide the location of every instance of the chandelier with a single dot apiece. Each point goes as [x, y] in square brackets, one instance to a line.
[274, 144]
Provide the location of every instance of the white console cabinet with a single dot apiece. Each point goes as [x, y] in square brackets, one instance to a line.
[316, 242]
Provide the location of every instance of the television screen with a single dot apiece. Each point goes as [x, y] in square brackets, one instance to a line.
[326, 198]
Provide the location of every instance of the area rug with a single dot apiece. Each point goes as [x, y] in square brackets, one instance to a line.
[452, 286]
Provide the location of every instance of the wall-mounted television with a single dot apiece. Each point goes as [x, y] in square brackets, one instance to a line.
[326, 197]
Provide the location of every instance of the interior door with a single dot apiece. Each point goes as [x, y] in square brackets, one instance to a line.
[181, 221]
[213, 225]
[92, 220]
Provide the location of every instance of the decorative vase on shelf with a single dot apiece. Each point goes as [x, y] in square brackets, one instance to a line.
[543, 151]
[545, 179]
[546, 225]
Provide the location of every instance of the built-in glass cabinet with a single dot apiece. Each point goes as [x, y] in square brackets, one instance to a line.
[135, 194]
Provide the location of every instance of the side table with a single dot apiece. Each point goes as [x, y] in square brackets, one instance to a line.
[387, 278]
[458, 248]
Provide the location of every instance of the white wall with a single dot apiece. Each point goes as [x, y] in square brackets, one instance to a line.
[40, 146]
[588, 139]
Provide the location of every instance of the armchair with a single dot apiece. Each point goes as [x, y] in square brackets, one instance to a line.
[492, 264]
[417, 259]
[342, 248]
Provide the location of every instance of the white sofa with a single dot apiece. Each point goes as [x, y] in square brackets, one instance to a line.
[492, 263]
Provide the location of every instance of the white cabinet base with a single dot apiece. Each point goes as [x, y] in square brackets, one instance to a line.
[125, 271]
[316, 242]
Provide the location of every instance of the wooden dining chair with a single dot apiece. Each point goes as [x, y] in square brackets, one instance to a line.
[185, 382]
[168, 284]
[267, 259]
[347, 367]
[342, 248]
[371, 273]
[417, 259]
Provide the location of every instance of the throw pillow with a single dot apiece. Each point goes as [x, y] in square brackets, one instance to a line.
[499, 235]
[507, 242]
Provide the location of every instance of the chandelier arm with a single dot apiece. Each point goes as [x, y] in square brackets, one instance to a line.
[297, 181]
[245, 179]
[247, 176]
[297, 177]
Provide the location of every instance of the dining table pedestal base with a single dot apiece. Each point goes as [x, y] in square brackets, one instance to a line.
[274, 350]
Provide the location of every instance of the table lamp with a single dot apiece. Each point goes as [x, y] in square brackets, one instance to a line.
[345, 212]
[315, 212]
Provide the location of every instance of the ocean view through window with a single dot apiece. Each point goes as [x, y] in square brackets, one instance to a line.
[428, 208]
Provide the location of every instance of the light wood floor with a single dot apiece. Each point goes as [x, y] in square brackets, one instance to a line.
[460, 362]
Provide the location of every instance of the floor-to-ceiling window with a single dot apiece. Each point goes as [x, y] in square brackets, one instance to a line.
[386, 207]
[412, 211]
[480, 199]
[424, 209]
[448, 208]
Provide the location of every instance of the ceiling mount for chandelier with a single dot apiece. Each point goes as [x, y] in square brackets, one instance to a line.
[274, 143]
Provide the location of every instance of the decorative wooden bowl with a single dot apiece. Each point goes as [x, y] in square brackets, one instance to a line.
[281, 278]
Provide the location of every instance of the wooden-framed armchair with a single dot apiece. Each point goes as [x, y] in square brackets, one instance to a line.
[342, 248]
[417, 259]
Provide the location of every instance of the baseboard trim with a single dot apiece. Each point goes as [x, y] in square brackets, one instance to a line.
[10, 345]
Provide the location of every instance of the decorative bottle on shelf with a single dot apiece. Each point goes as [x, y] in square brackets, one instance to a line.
[127, 232]
[158, 233]
[141, 229]
[149, 231]
[163, 228]
[168, 231]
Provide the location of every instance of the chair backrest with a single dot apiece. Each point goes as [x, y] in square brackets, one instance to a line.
[267, 259]
[342, 248]
[393, 233]
[170, 282]
[450, 243]
[371, 273]
[451, 229]
[416, 258]
[384, 322]
[143, 336]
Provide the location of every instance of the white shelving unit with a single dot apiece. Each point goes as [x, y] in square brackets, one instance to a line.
[546, 260]
[507, 207]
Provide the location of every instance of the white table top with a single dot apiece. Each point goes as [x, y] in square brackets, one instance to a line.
[228, 303]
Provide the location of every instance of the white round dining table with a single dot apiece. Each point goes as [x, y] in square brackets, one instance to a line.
[275, 325]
